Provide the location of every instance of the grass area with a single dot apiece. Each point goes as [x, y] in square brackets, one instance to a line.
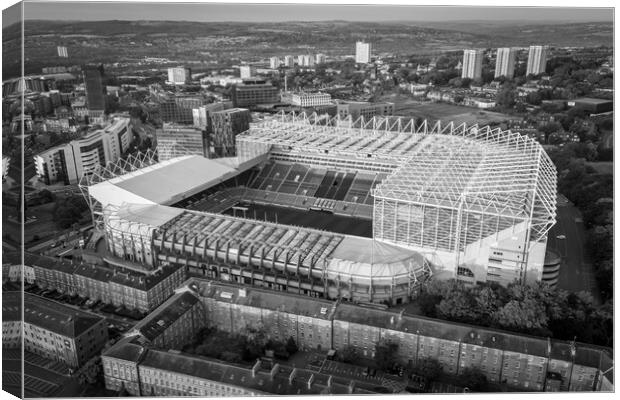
[445, 112]
[309, 219]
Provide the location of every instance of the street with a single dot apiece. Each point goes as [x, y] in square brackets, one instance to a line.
[576, 274]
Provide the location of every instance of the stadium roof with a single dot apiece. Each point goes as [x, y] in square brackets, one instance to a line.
[357, 258]
[346, 256]
[481, 170]
[385, 144]
[139, 219]
[470, 168]
[166, 182]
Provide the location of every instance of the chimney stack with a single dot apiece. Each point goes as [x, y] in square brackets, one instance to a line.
[255, 368]
[292, 376]
[310, 380]
[274, 371]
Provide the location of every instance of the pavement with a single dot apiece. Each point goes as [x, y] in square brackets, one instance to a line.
[576, 272]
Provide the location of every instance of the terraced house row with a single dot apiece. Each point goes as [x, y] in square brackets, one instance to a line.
[51, 330]
[519, 361]
[133, 290]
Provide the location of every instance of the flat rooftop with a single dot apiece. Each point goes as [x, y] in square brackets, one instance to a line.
[165, 183]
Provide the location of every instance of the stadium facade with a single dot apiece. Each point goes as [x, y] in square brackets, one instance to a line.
[465, 202]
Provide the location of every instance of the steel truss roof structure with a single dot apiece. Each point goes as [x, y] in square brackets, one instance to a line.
[112, 170]
[383, 138]
[470, 168]
[479, 170]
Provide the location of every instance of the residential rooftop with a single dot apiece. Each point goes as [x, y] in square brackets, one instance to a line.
[48, 314]
[165, 315]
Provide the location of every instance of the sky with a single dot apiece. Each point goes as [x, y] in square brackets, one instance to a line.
[304, 12]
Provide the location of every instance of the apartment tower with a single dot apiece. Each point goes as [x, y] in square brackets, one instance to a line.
[362, 52]
[537, 60]
[472, 64]
[505, 63]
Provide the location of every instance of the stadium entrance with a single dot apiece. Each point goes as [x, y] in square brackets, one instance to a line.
[308, 219]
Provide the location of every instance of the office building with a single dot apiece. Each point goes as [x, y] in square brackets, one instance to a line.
[362, 52]
[178, 109]
[254, 92]
[505, 62]
[246, 71]
[202, 114]
[274, 62]
[537, 60]
[53, 330]
[95, 90]
[178, 140]
[225, 126]
[304, 99]
[472, 64]
[70, 161]
[356, 109]
[179, 76]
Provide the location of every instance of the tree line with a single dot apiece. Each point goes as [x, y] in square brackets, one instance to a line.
[532, 309]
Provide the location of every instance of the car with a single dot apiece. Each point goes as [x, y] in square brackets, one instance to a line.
[562, 237]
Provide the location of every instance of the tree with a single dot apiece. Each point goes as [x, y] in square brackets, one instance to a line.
[348, 354]
[46, 196]
[385, 354]
[548, 129]
[473, 379]
[525, 315]
[291, 346]
[459, 307]
[428, 368]
[506, 96]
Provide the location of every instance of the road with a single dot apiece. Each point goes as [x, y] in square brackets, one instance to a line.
[576, 273]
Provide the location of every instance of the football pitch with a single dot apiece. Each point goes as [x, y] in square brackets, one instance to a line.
[309, 219]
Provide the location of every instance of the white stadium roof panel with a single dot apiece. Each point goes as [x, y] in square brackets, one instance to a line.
[164, 183]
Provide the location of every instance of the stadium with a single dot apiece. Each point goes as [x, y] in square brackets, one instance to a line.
[466, 202]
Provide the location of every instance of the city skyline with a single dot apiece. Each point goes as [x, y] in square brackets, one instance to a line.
[207, 12]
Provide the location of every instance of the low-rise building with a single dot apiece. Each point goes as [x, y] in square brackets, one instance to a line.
[521, 362]
[145, 371]
[595, 106]
[142, 292]
[174, 323]
[55, 331]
